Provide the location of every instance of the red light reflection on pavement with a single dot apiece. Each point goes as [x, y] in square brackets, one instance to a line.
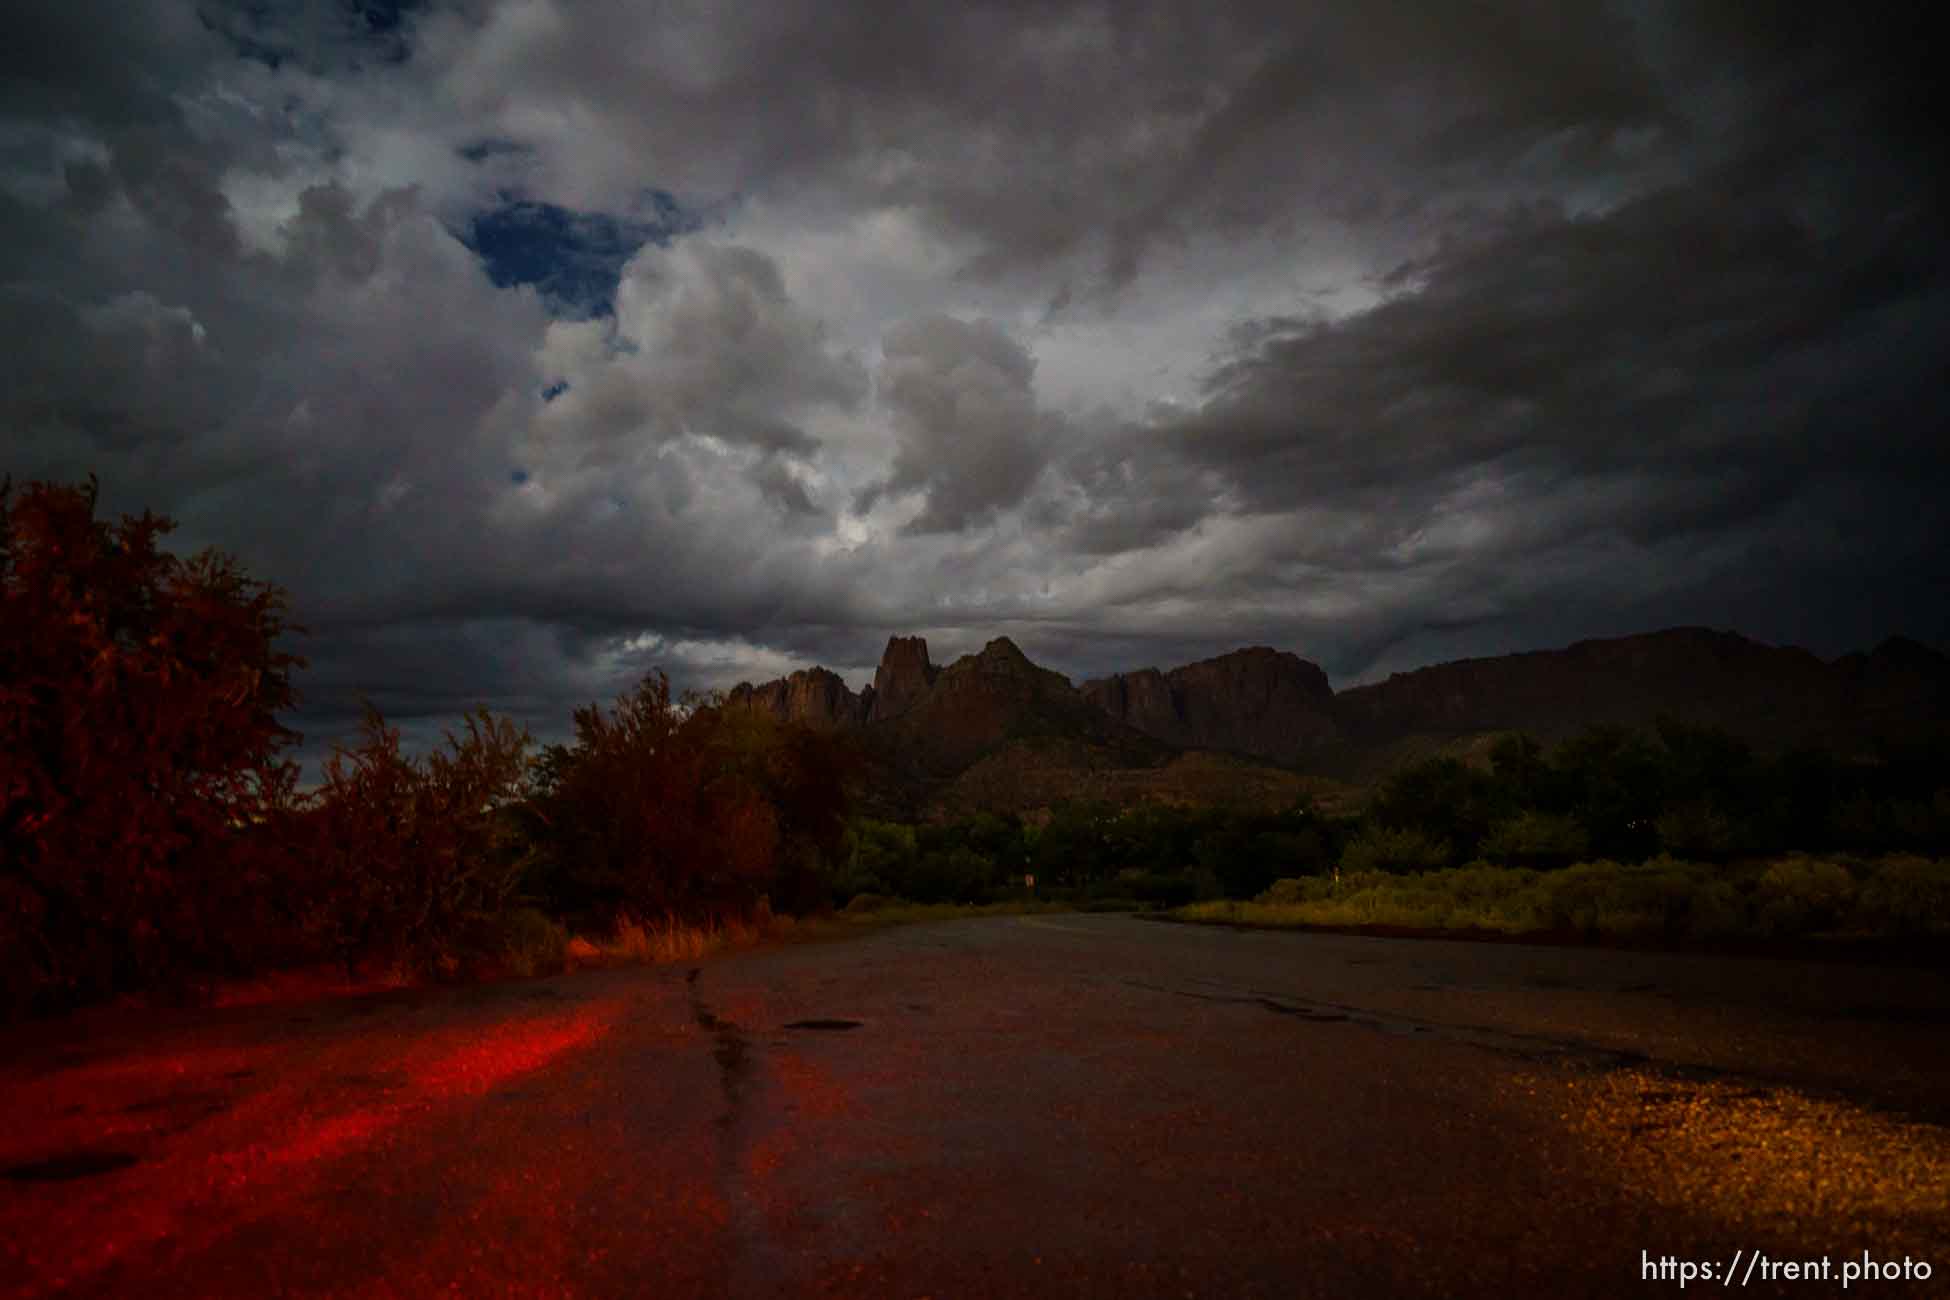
[213, 1147]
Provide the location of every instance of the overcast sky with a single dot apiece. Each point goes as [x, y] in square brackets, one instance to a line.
[534, 343]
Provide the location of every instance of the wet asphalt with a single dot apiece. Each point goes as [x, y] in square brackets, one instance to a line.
[1052, 1105]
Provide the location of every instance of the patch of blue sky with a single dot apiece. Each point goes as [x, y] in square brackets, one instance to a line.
[574, 259]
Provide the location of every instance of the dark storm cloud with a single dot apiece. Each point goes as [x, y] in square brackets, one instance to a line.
[965, 420]
[1134, 331]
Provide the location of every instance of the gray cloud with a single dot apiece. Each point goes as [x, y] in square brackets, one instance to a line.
[967, 430]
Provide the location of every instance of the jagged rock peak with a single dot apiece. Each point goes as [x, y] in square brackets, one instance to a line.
[815, 696]
[904, 675]
[1260, 701]
[1003, 651]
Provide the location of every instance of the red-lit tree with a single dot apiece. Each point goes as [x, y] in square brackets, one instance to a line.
[404, 855]
[694, 810]
[139, 695]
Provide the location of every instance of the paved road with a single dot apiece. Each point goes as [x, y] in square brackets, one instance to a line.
[1063, 1105]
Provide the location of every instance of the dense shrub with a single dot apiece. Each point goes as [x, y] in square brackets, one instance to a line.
[876, 856]
[1445, 802]
[1906, 895]
[1800, 895]
[1696, 829]
[659, 809]
[1379, 848]
[956, 874]
[1793, 897]
[1156, 888]
[406, 855]
[1537, 839]
[138, 742]
[524, 941]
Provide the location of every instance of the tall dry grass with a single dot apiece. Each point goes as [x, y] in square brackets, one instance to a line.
[659, 942]
[1796, 896]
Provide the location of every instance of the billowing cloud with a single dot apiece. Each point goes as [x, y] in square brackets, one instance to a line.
[967, 432]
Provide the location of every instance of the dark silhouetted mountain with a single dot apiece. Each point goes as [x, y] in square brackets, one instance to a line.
[813, 696]
[1257, 701]
[903, 677]
[1901, 689]
[1772, 696]
[982, 701]
[995, 730]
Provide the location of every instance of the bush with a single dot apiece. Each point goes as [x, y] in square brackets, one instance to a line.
[1537, 839]
[953, 875]
[1906, 895]
[695, 812]
[1289, 890]
[1696, 830]
[1157, 888]
[1445, 800]
[1664, 897]
[528, 943]
[1801, 895]
[1379, 848]
[1717, 911]
[409, 855]
[874, 859]
[138, 741]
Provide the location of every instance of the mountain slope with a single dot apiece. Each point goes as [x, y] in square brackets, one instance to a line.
[1255, 701]
[993, 729]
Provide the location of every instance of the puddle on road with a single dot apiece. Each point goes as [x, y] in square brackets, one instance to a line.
[1303, 1013]
[198, 1105]
[68, 1166]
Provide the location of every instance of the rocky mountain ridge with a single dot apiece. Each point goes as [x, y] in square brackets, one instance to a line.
[937, 723]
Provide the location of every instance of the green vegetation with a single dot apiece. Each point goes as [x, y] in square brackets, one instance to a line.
[1083, 854]
[1666, 898]
[1695, 837]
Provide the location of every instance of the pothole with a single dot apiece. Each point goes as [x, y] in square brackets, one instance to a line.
[823, 1022]
[68, 1166]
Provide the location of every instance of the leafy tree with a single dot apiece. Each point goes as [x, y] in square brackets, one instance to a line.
[803, 775]
[1380, 848]
[1537, 839]
[660, 809]
[139, 695]
[954, 874]
[1074, 846]
[1615, 786]
[641, 820]
[408, 855]
[878, 859]
[1522, 771]
[1445, 800]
